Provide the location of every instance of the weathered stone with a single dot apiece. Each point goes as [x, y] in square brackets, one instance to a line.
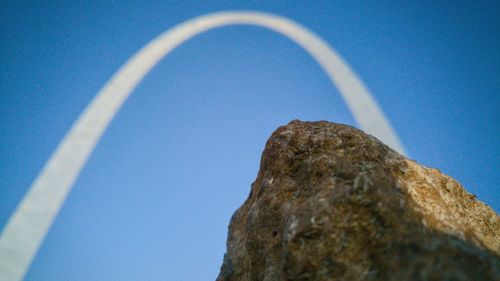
[333, 203]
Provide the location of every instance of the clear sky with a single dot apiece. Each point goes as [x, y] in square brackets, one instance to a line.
[155, 199]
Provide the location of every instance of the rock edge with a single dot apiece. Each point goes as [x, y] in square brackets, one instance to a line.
[333, 203]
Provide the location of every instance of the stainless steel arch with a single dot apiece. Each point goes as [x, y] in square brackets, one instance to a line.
[30, 223]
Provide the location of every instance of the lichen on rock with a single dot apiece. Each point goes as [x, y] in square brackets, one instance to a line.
[333, 203]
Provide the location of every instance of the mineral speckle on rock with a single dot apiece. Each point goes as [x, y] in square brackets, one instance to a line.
[333, 203]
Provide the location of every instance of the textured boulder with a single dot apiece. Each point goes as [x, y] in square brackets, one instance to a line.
[333, 203]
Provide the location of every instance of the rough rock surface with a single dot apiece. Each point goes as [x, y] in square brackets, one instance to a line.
[333, 203]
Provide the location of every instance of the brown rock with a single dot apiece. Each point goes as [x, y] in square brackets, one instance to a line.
[333, 203]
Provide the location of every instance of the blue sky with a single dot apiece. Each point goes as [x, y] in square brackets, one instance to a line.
[154, 201]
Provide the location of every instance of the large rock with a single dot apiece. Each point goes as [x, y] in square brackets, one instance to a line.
[333, 203]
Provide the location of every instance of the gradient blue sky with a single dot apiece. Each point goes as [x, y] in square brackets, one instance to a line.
[154, 200]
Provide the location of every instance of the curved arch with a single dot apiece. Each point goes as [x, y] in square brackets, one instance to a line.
[29, 224]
